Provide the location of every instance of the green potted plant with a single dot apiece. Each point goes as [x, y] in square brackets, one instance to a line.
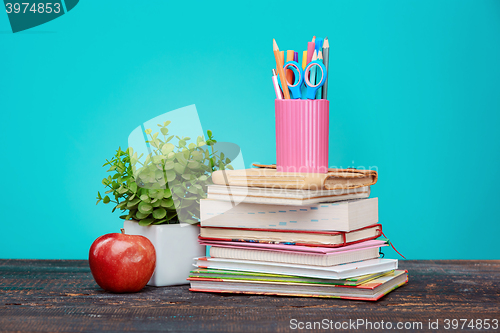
[159, 194]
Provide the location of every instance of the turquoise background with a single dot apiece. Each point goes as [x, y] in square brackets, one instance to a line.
[414, 91]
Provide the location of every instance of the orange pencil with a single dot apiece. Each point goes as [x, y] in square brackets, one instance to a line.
[281, 72]
[304, 60]
[282, 57]
[289, 73]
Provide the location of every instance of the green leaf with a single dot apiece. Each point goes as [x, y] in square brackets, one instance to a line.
[106, 200]
[187, 176]
[133, 187]
[130, 214]
[99, 200]
[209, 132]
[170, 174]
[99, 195]
[193, 165]
[146, 222]
[145, 198]
[167, 123]
[179, 168]
[140, 216]
[121, 205]
[169, 165]
[145, 207]
[133, 202]
[178, 191]
[193, 190]
[159, 213]
[167, 193]
[167, 148]
[164, 131]
[167, 203]
[197, 155]
[152, 193]
[170, 138]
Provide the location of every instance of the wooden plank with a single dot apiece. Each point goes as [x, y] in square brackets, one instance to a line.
[61, 295]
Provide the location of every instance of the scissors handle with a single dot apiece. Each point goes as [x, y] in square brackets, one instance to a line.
[311, 88]
[298, 78]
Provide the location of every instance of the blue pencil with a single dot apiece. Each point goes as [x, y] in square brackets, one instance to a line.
[318, 76]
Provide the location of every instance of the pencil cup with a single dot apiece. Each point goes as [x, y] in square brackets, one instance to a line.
[302, 135]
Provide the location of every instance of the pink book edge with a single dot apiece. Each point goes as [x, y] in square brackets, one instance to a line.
[295, 248]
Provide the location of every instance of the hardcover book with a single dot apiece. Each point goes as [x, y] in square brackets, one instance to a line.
[278, 196]
[339, 216]
[291, 237]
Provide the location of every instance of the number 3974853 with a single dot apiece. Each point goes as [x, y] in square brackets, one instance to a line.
[35, 8]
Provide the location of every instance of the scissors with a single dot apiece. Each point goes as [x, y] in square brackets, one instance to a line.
[302, 77]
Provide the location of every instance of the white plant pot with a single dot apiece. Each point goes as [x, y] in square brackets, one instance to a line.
[176, 245]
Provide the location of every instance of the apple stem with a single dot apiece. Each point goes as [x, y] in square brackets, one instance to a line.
[122, 230]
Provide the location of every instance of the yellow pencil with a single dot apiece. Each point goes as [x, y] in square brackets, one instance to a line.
[304, 60]
[281, 72]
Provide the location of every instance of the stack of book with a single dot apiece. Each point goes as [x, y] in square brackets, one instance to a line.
[293, 242]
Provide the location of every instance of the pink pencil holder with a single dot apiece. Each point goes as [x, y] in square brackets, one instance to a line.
[302, 135]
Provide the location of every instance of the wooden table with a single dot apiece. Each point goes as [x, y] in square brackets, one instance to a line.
[61, 295]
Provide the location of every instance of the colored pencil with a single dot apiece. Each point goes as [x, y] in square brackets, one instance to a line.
[326, 53]
[314, 39]
[310, 51]
[304, 60]
[318, 76]
[318, 45]
[312, 72]
[296, 56]
[281, 72]
[289, 73]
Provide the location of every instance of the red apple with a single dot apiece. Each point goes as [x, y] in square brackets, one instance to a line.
[122, 263]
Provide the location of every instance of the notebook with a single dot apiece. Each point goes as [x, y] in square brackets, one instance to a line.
[267, 176]
[240, 275]
[278, 196]
[337, 272]
[291, 237]
[339, 216]
[292, 257]
[369, 291]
